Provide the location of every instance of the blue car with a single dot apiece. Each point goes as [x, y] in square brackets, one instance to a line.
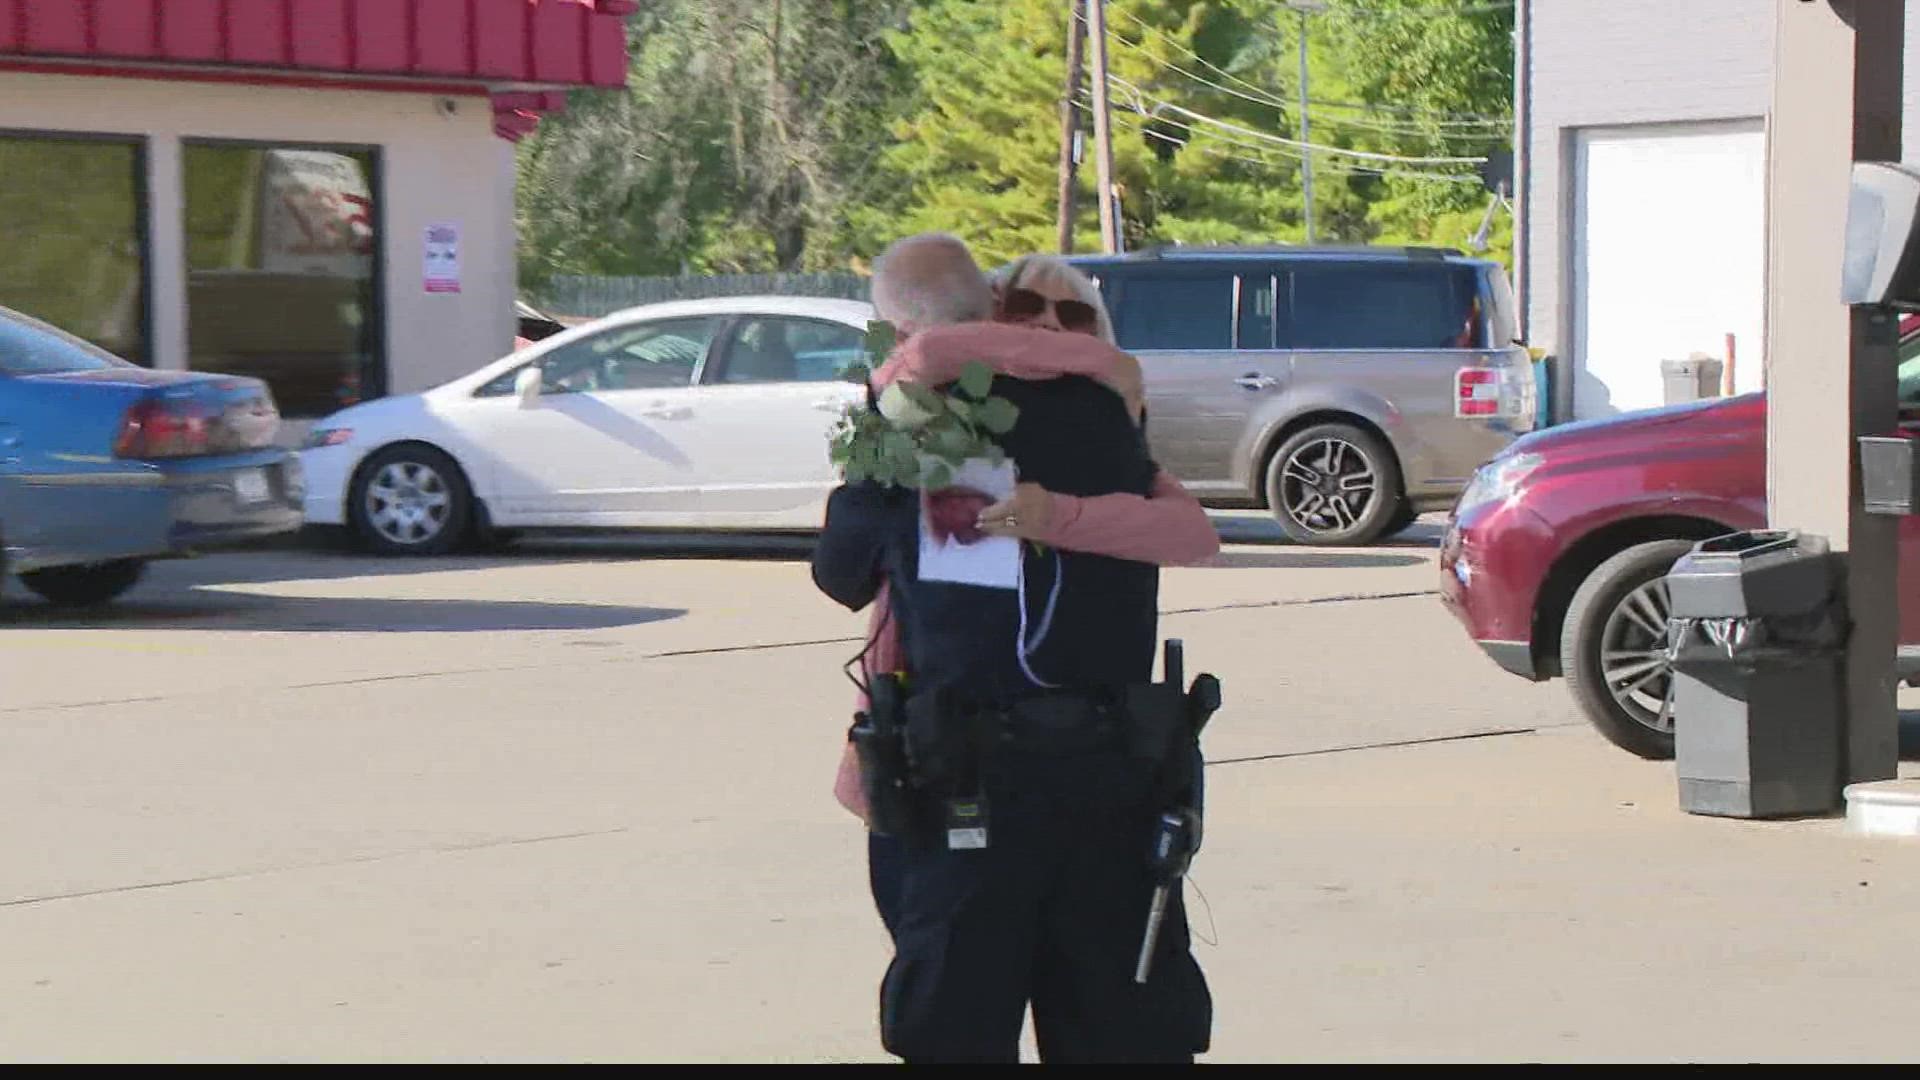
[105, 465]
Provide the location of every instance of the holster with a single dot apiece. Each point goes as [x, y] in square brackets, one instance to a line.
[946, 738]
[878, 737]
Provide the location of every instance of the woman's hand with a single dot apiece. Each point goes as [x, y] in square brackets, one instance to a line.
[1027, 515]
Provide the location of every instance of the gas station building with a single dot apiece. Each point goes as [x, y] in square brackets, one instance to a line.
[316, 192]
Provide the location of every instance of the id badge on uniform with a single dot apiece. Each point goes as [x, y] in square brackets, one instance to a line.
[967, 824]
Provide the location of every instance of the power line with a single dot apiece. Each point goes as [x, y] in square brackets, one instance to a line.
[1266, 97]
[1338, 168]
[1335, 168]
[1458, 118]
[1425, 11]
[1343, 168]
[1407, 128]
[1140, 97]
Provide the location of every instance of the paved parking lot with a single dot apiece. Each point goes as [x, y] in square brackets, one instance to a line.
[572, 803]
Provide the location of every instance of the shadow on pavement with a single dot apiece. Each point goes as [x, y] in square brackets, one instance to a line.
[323, 557]
[1256, 527]
[327, 562]
[1309, 559]
[211, 609]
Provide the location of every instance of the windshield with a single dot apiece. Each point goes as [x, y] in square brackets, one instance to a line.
[31, 347]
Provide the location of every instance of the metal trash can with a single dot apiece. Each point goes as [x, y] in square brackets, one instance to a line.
[1755, 637]
[1692, 379]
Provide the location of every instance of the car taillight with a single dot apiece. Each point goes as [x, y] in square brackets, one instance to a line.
[1476, 392]
[164, 429]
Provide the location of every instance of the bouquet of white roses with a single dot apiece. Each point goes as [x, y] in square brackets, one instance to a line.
[919, 436]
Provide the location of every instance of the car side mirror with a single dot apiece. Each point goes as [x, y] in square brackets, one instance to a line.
[1882, 261]
[526, 386]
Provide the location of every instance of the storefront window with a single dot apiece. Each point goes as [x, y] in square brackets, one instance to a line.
[71, 217]
[281, 271]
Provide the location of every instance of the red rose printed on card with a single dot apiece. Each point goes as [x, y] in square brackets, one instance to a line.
[955, 512]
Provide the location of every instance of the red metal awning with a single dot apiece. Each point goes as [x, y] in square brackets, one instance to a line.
[522, 50]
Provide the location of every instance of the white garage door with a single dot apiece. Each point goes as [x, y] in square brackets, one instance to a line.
[1669, 256]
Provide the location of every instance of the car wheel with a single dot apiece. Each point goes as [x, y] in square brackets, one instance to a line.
[1613, 648]
[1334, 484]
[86, 585]
[1402, 519]
[410, 500]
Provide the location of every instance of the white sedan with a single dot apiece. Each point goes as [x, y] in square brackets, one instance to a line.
[708, 414]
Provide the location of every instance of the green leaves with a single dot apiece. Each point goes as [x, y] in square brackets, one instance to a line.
[929, 400]
[997, 415]
[976, 379]
[881, 339]
[913, 452]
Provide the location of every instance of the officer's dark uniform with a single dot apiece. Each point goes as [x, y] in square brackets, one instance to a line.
[1051, 912]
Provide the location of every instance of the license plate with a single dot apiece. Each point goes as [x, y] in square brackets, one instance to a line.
[250, 486]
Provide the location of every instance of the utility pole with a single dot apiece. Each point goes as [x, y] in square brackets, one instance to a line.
[1305, 8]
[1102, 128]
[1070, 126]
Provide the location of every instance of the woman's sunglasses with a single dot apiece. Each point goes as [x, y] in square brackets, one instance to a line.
[1072, 314]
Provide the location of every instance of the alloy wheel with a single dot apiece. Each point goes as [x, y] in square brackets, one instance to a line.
[1326, 485]
[1633, 656]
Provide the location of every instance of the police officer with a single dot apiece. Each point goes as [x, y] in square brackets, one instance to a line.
[1037, 782]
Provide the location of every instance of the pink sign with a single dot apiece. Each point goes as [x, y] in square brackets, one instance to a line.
[442, 259]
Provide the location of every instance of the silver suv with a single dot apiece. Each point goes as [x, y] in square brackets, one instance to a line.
[1346, 389]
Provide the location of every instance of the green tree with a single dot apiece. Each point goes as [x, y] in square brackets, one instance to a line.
[805, 134]
[979, 151]
[741, 142]
[1441, 83]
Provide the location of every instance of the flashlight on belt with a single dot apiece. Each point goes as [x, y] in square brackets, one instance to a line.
[1175, 839]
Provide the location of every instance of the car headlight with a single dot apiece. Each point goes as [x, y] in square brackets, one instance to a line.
[1497, 481]
[320, 437]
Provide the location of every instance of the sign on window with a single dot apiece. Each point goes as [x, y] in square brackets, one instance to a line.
[316, 215]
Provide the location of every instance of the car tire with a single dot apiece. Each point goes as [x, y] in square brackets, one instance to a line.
[1318, 475]
[1609, 648]
[410, 500]
[1402, 519]
[85, 585]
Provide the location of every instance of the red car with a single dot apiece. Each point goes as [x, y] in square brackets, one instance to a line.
[1554, 555]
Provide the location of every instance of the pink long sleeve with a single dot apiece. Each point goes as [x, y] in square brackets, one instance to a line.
[936, 356]
[1168, 527]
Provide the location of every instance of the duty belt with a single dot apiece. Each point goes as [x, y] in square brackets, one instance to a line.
[1061, 723]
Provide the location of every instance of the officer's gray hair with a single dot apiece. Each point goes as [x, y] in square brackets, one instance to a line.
[930, 280]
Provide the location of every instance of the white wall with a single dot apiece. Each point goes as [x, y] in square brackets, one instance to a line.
[1613, 63]
[1610, 63]
[435, 168]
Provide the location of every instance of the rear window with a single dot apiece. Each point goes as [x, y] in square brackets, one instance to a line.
[1186, 311]
[1385, 306]
[31, 347]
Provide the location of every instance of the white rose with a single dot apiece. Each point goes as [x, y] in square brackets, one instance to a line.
[900, 410]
